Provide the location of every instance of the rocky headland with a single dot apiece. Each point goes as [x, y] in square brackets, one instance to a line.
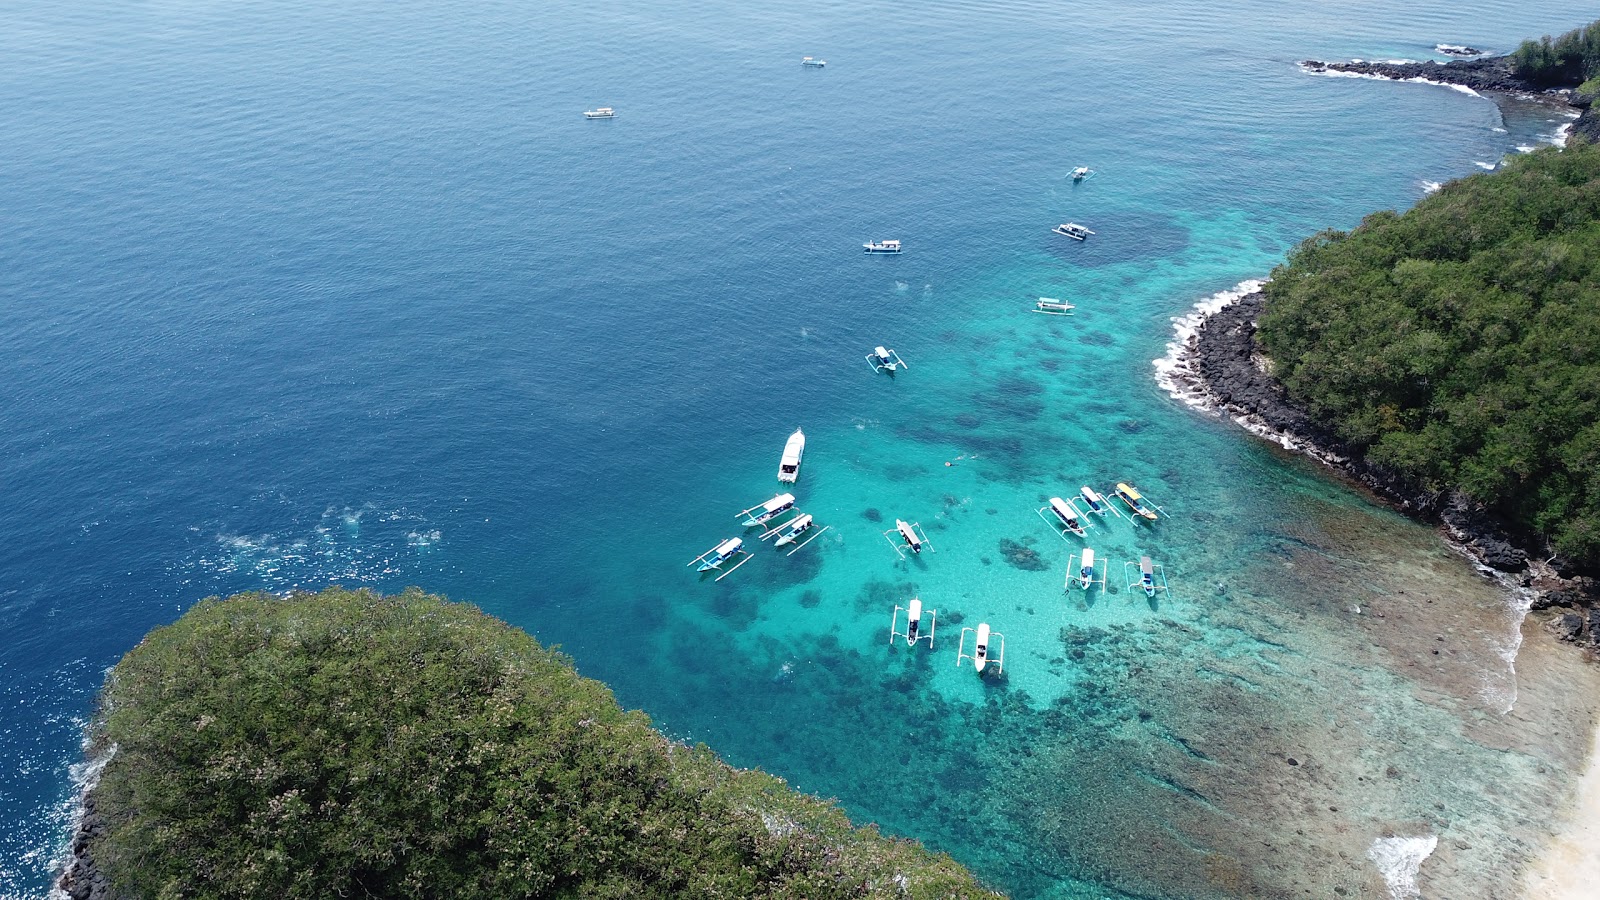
[1227, 367]
[1488, 74]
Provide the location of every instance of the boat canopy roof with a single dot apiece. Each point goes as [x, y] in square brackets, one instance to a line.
[728, 546]
[778, 502]
[1129, 490]
[1146, 566]
[1088, 558]
[1062, 509]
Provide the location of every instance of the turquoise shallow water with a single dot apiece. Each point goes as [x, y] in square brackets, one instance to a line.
[301, 293]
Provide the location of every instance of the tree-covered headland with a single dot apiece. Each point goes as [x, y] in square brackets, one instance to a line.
[345, 744]
[1570, 59]
[1458, 344]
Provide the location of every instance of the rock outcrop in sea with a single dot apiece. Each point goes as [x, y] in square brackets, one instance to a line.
[1494, 74]
[1227, 367]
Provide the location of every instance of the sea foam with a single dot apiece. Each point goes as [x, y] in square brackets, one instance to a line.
[1461, 88]
[1399, 859]
[1175, 372]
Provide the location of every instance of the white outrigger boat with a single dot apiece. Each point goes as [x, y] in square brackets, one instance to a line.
[714, 558]
[980, 655]
[604, 112]
[1087, 571]
[1082, 173]
[913, 632]
[1066, 513]
[789, 466]
[885, 359]
[1096, 503]
[1050, 306]
[1152, 577]
[882, 246]
[911, 534]
[1072, 230]
[790, 531]
[812, 62]
[762, 513]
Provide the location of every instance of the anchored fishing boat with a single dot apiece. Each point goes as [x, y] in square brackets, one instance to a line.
[1097, 504]
[980, 656]
[762, 513]
[789, 466]
[1050, 306]
[911, 536]
[1135, 501]
[714, 558]
[1088, 571]
[1072, 230]
[604, 112]
[1065, 513]
[885, 359]
[1082, 173]
[913, 631]
[882, 246]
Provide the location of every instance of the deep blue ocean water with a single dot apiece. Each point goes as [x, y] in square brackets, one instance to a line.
[297, 293]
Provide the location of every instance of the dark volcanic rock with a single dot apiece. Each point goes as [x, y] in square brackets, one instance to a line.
[1491, 73]
[81, 880]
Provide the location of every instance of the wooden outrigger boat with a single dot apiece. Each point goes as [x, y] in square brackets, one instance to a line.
[812, 62]
[762, 513]
[1088, 571]
[789, 466]
[1082, 173]
[1053, 307]
[1152, 577]
[885, 359]
[980, 655]
[790, 531]
[1095, 502]
[913, 632]
[721, 553]
[1066, 514]
[910, 534]
[1136, 502]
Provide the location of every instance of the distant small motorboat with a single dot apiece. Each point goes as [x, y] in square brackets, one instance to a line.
[1135, 501]
[1072, 230]
[1082, 172]
[604, 112]
[789, 466]
[1097, 504]
[1050, 306]
[882, 246]
[812, 62]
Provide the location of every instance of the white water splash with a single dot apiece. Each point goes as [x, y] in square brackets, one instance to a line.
[1399, 859]
[85, 775]
[1175, 372]
[1332, 73]
[1429, 187]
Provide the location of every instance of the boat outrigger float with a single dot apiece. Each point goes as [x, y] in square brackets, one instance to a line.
[1072, 230]
[1136, 501]
[884, 359]
[911, 534]
[980, 655]
[1152, 576]
[790, 531]
[1066, 517]
[1053, 307]
[789, 466]
[721, 553]
[1087, 572]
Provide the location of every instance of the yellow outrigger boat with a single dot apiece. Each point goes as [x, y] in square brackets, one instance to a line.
[1135, 501]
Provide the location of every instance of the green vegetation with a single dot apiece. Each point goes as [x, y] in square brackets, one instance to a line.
[1459, 344]
[344, 744]
[1566, 60]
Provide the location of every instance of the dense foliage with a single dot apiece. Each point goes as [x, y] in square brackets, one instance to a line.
[1567, 60]
[344, 744]
[1459, 344]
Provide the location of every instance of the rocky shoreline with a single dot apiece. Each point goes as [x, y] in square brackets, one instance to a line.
[1226, 368]
[1493, 74]
[80, 879]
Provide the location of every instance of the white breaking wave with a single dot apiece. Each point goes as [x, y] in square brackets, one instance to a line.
[1486, 166]
[1331, 73]
[1429, 187]
[1399, 859]
[1175, 372]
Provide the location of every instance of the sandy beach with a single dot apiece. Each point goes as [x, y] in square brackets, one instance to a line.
[1569, 869]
